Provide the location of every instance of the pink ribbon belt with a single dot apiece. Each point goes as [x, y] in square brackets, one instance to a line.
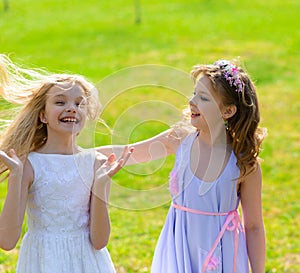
[232, 223]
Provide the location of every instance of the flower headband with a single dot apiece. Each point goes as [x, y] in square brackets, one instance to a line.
[231, 74]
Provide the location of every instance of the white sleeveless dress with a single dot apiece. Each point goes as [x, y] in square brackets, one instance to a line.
[57, 240]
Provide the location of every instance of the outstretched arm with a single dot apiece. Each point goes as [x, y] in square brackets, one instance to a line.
[13, 211]
[253, 220]
[105, 168]
[150, 149]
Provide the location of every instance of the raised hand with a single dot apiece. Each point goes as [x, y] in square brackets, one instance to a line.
[11, 160]
[111, 166]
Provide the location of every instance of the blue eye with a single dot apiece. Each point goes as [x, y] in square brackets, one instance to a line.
[203, 98]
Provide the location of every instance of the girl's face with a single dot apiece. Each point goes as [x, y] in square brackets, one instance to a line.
[65, 110]
[205, 106]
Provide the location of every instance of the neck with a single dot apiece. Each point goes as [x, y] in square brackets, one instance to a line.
[214, 138]
[54, 146]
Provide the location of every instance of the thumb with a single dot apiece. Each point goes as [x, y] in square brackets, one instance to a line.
[12, 153]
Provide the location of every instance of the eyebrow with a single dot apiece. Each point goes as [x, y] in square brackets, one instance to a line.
[202, 92]
[64, 96]
[59, 95]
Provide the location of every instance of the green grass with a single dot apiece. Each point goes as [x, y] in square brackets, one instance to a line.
[99, 38]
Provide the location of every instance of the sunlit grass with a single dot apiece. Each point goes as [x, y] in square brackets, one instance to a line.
[98, 38]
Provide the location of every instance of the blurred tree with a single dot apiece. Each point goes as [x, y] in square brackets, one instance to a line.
[5, 5]
[138, 15]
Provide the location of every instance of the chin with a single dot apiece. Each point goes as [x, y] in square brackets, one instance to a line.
[195, 124]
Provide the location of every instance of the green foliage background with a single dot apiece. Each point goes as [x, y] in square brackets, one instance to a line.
[98, 38]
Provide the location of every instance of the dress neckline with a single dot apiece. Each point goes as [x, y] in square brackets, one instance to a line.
[198, 178]
[53, 154]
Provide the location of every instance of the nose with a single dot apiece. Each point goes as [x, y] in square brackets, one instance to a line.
[191, 101]
[71, 108]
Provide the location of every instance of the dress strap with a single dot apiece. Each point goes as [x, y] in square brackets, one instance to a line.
[232, 224]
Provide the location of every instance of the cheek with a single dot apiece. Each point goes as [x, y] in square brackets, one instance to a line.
[83, 120]
[198, 103]
[52, 113]
[212, 113]
[83, 112]
[214, 119]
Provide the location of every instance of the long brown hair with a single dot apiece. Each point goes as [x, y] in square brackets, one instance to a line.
[29, 87]
[242, 128]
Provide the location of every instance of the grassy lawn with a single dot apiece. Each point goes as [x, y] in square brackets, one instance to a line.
[101, 40]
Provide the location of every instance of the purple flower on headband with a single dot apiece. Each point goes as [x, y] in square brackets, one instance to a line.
[231, 74]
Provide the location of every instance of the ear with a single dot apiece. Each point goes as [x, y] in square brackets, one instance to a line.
[43, 117]
[229, 111]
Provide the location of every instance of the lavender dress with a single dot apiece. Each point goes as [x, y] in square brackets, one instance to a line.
[192, 240]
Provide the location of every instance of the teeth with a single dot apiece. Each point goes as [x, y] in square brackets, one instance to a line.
[69, 120]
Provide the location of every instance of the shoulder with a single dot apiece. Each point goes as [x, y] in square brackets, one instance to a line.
[251, 183]
[28, 173]
[253, 174]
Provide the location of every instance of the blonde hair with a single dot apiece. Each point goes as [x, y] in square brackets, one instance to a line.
[29, 87]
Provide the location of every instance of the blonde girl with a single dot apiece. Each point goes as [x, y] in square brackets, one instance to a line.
[63, 187]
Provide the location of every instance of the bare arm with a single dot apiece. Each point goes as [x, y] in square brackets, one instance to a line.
[150, 149]
[253, 220]
[13, 211]
[99, 217]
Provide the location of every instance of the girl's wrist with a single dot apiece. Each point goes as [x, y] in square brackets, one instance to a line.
[15, 174]
[100, 189]
[102, 181]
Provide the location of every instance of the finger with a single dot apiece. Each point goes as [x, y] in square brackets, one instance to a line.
[111, 158]
[126, 157]
[125, 151]
[115, 168]
[12, 154]
[109, 161]
[121, 161]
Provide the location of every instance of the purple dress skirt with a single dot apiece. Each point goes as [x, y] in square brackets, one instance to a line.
[203, 232]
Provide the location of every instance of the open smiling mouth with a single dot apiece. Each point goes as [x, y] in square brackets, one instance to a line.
[69, 120]
[195, 114]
